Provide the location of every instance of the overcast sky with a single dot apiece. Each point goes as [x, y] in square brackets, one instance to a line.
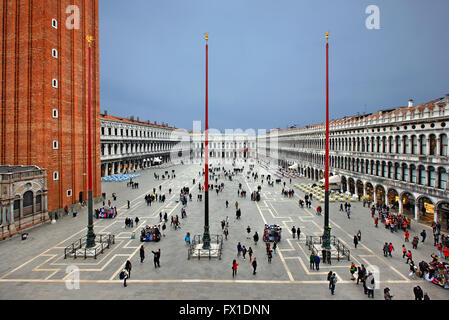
[267, 59]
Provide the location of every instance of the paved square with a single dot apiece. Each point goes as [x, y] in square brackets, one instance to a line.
[36, 268]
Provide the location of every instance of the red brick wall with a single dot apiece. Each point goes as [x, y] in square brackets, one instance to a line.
[27, 128]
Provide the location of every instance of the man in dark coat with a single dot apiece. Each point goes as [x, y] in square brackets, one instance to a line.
[254, 263]
[142, 254]
[157, 256]
[317, 262]
[419, 294]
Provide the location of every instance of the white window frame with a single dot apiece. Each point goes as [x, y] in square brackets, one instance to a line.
[55, 113]
[55, 176]
[54, 23]
[54, 53]
[54, 83]
[55, 145]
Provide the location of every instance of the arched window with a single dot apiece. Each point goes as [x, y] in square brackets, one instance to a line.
[433, 145]
[432, 177]
[390, 170]
[422, 175]
[414, 144]
[397, 172]
[405, 172]
[423, 144]
[413, 173]
[443, 145]
[406, 145]
[378, 144]
[442, 178]
[384, 144]
[28, 202]
[398, 144]
[384, 169]
[391, 144]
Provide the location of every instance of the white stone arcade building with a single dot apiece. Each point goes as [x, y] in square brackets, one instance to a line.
[398, 156]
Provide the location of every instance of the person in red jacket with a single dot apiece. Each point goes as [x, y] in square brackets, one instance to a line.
[376, 222]
[409, 256]
[390, 249]
[407, 235]
[234, 268]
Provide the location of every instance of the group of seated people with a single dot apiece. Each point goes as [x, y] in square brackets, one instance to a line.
[150, 233]
[436, 271]
[106, 213]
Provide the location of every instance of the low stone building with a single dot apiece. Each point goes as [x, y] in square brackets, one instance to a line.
[23, 198]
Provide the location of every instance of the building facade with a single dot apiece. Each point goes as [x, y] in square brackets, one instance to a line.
[43, 112]
[128, 144]
[235, 146]
[23, 198]
[398, 157]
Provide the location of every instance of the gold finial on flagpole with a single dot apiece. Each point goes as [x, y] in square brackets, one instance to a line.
[327, 35]
[90, 39]
[206, 36]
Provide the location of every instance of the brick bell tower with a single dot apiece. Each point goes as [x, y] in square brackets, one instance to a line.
[43, 111]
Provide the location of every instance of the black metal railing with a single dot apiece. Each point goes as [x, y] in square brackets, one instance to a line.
[342, 250]
[75, 249]
[198, 239]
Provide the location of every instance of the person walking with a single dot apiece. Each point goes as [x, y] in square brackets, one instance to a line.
[348, 212]
[415, 242]
[137, 221]
[404, 251]
[359, 235]
[227, 203]
[333, 283]
[352, 270]
[407, 235]
[385, 249]
[370, 284]
[157, 256]
[423, 235]
[329, 275]
[128, 268]
[142, 254]
[426, 296]
[248, 231]
[226, 232]
[234, 268]
[244, 251]
[419, 295]
[356, 241]
[298, 232]
[312, 261]
[317, 262]
[250, 254]
[255, 238]
[164, 227]
[254, 264]
[409, 257]
[239, 249]
[274, 247]
[269, 255]
[294, 232]
[387, 294]
[390, 249]
[124, 275]
[129, 203]
[187, 239]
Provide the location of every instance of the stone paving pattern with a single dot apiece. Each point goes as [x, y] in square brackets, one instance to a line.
[36, 269]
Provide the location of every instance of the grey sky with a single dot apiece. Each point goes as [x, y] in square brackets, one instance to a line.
[267, 59]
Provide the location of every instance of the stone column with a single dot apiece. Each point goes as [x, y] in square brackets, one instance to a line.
[401, 207]
[416, 210]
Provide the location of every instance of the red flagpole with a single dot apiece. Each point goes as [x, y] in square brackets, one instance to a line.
[326, 186]
[206, 187]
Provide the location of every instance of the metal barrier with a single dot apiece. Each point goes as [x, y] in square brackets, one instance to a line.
[106, 240]
[218, 239]
[342, 251]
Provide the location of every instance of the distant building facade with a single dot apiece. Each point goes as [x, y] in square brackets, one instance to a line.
[128, 144]
[397, 157]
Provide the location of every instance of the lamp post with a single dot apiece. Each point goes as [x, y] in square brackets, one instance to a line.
[90, 241]
[327, 228]
[206, 235]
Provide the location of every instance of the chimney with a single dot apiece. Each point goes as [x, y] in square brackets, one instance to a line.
[105, 112]
[410, 103]
[131, 118]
